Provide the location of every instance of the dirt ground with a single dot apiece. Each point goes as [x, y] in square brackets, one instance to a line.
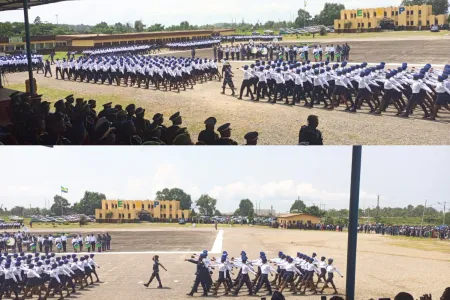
[383, 269]
[279, 124]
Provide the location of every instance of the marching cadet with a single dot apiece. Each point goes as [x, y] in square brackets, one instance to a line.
[419, 90]
[225, 136]
[209, 136]
[155, 274]
[262, 84]
[246, 82]
[266, 269]
[222, 267]
[58, 69]
[47, 68]
[245, 269]
[200, 275]
[227, 78]
[442, 96]
[251, 138]
[330, 270]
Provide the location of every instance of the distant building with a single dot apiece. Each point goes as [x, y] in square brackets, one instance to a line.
[131, 210]
[79, 42]
[265, 212]
[293, 218]
[405, 17]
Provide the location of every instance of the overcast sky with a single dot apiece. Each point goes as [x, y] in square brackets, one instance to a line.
[271, 175]
[198, 12]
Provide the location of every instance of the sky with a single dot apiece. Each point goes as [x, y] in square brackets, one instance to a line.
[197, 12]
[269, 176]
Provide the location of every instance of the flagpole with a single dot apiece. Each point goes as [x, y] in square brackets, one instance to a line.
[304, 15]
[62, 210]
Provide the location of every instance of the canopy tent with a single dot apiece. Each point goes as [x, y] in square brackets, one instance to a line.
[6, 5]
[19, 4]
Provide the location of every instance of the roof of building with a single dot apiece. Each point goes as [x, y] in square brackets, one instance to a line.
[18, 4]
[294, 215]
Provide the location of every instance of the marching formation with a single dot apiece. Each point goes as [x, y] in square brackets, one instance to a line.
[18, 63]
[132, 49]
[138, 70]
[244, 38]
[295, 273]
[198, 44]
[36, 274]
[335, 84]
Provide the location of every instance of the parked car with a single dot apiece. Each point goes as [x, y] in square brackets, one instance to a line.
[434, 28]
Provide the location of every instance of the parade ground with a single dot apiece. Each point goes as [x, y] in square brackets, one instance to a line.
[279, 124]
[385, 265]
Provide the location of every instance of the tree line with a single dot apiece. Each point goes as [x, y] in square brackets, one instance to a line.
[205, 205]
[327, 15]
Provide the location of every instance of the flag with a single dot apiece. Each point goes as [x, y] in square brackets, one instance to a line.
[359, 13]
[64, 190]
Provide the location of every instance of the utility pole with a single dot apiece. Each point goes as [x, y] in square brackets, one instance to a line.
[423, 215]
[304, 14]
[444, 204]
[378, 205]
[57, 23]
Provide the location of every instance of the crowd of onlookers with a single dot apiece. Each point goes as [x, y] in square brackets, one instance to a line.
[442, 232]
[76, 122]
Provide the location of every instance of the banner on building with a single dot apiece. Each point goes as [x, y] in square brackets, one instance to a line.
[359, 13]
[380, 12]
[156, 203]
[120, 204]
[400, 10]
[15, 39]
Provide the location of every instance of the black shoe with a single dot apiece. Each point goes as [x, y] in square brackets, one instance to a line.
[145, 284]
[190, 294]
[160, 286]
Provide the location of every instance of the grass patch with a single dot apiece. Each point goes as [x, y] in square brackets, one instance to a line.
[420, 243]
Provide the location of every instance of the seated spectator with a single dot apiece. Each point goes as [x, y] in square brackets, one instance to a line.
[309, 134]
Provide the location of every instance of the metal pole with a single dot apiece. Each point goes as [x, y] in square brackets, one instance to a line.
[304, 14]
[62, 209]
[444, 213]
[423, 215]
[28, 42]
[353, 222]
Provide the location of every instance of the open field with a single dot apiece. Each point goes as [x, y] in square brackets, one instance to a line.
[385, 266]
[278, 124]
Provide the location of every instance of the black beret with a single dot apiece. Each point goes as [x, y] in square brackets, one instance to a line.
[224, 127]
[211, 121]
[251, 136]
[174, 116]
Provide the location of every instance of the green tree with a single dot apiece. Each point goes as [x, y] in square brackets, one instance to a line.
[314, 210]
[303, 18]
[329, 13]
[17, 211]
[329, 220]
[269, 25]
[217, 213]
[37, 20]
[175, 194]
[155, 27]
[89, 202]
[246, 207]
[206, 205]
[237, 212]
[440, 7]
[184, 25]
[413, 2]
[298, 206]
[60, 205]
[139, 26]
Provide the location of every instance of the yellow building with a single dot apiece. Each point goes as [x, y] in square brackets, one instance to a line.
[293, 218]
[132, 210]
[413, 17]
